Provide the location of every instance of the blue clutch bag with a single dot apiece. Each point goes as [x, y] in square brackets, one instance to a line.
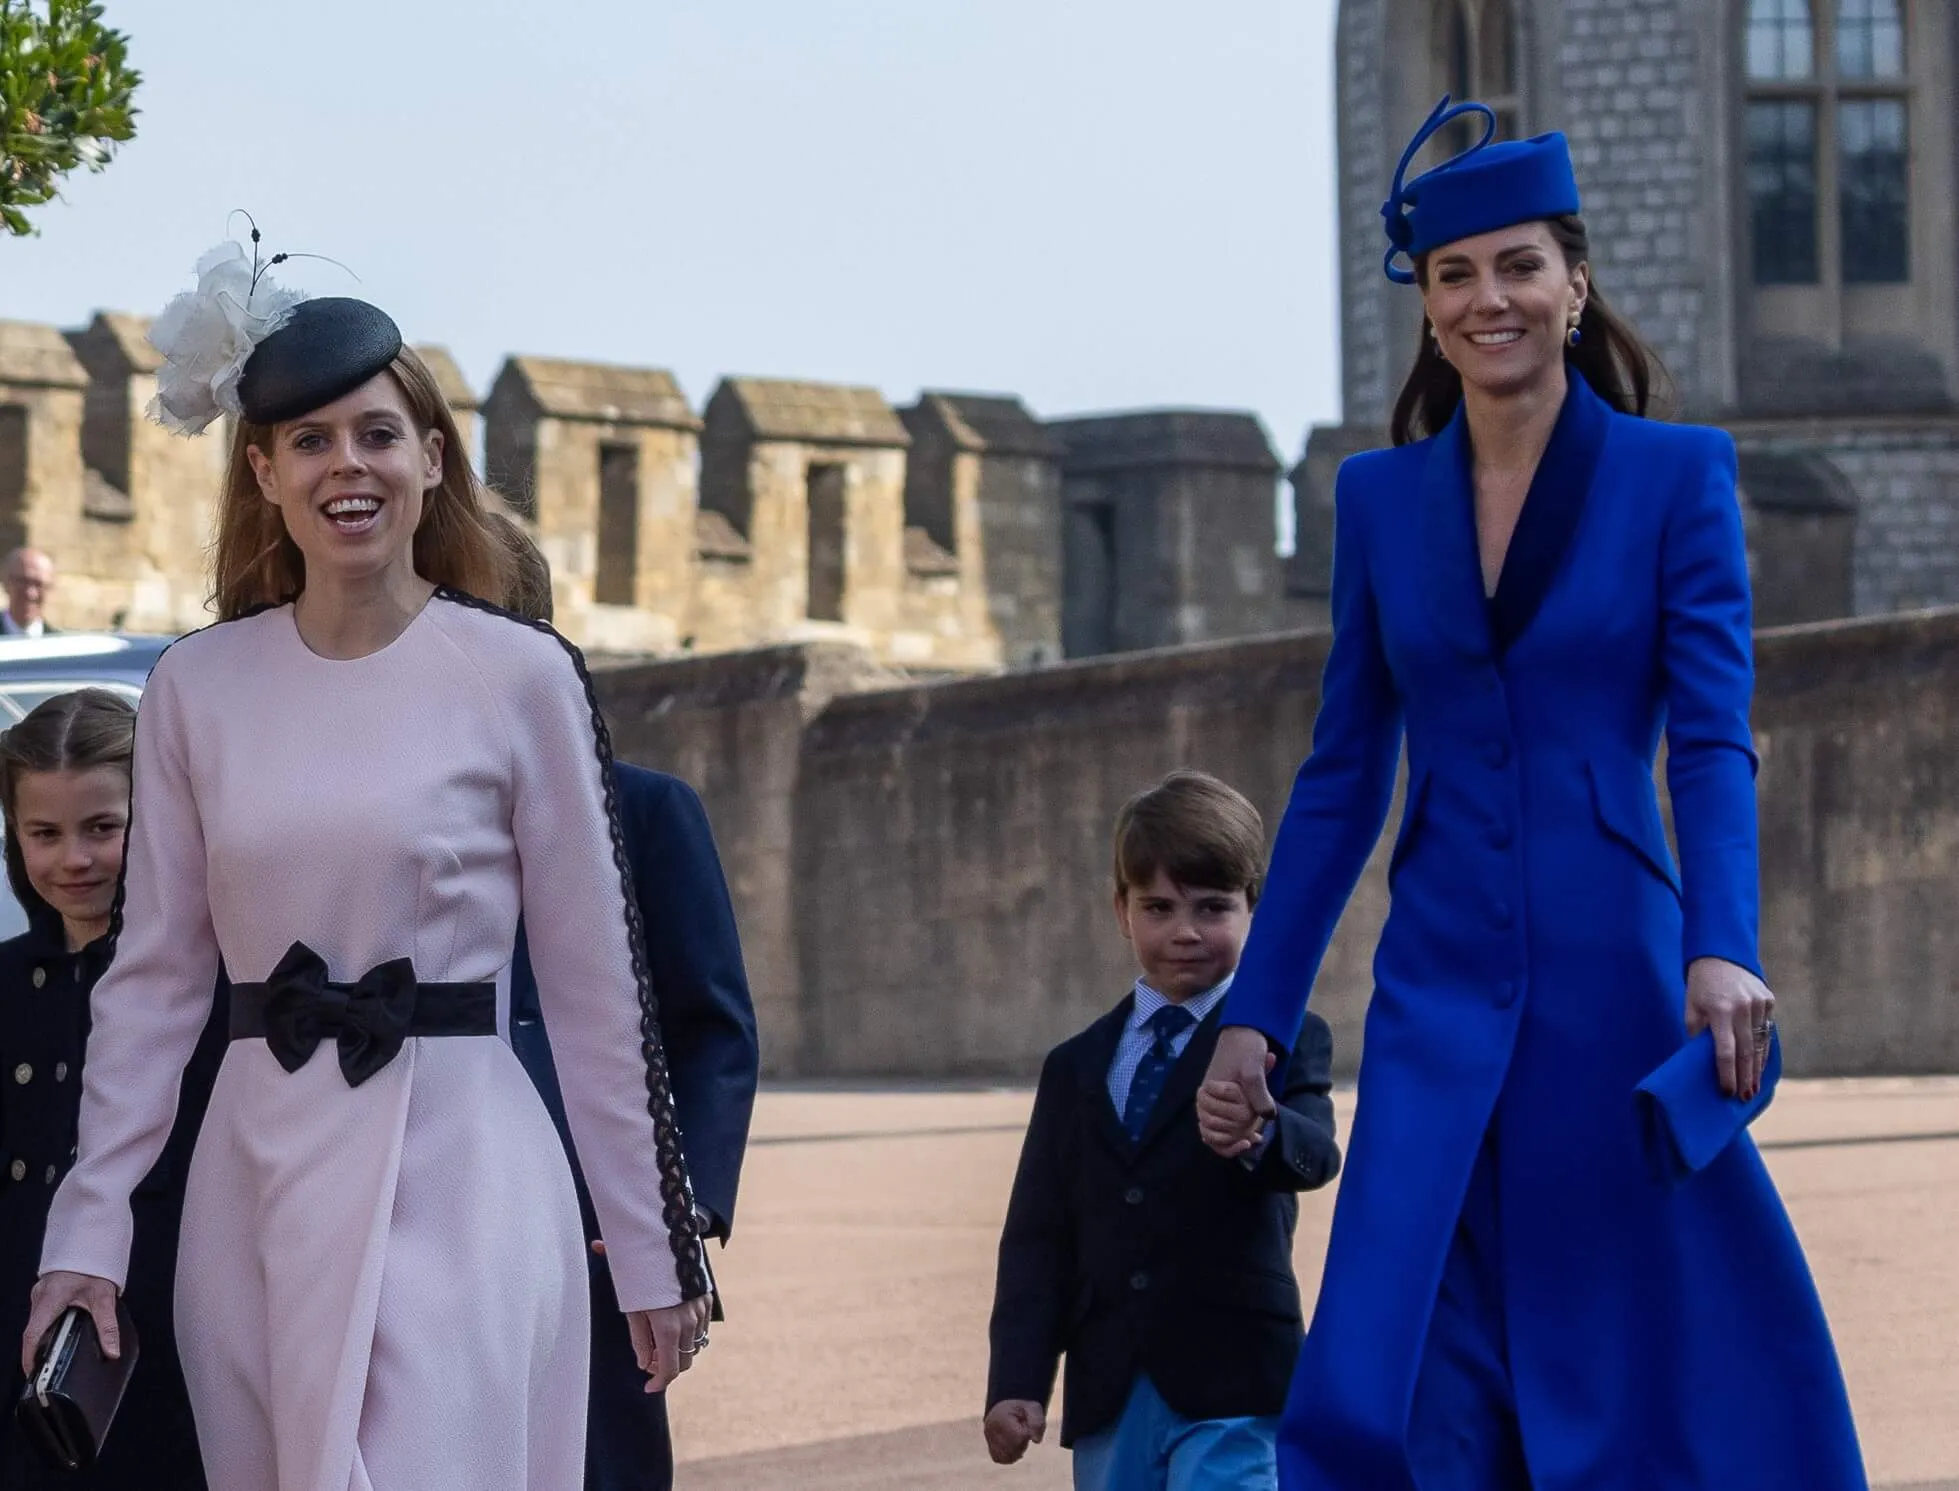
[1685, 1119]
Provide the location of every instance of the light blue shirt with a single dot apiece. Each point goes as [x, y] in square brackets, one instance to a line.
[1137, 1038]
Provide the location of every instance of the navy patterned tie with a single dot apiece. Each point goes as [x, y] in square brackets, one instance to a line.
[1147, 1085]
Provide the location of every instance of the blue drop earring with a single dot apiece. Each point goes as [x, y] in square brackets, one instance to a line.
[1576, 336]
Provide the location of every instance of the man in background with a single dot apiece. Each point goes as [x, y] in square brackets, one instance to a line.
[29, 578]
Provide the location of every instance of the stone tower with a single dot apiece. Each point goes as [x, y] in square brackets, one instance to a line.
[1768, 188]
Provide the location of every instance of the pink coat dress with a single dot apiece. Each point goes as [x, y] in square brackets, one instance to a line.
[381, 1287]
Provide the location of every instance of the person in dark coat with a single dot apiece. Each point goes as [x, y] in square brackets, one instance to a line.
[1162, 1272]
[64, 784]
[707, 1021]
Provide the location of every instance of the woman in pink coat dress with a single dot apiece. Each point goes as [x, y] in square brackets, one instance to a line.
[348, 789]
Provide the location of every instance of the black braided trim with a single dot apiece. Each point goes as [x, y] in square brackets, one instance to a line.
[676, 1189]
[129, 816]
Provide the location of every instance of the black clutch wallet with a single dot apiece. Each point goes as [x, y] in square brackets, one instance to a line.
[65, 1408]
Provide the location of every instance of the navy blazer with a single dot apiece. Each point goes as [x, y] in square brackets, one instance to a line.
[1155, 1256]
[693, 957]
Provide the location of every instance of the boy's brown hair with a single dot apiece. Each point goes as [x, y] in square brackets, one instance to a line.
[1197, 831]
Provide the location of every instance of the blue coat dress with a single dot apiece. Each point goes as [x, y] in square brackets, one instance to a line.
[1510, 1298]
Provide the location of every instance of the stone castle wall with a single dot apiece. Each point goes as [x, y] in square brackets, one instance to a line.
[782, 511]
[921, 871]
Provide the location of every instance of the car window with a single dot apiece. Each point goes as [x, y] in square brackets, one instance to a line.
[17, 699]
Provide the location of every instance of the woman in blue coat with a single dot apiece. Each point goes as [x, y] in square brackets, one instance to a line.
[1530, 584]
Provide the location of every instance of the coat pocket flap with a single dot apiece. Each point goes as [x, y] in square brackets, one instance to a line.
[1629, 811]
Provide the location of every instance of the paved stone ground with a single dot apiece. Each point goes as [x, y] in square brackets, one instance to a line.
[854, 1358]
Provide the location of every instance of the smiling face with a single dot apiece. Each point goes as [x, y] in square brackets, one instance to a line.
[70, 826]
[350, 481]
[1502, 305]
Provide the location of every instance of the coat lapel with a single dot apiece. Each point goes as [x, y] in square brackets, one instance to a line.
[1551, 513]
[1452, 573]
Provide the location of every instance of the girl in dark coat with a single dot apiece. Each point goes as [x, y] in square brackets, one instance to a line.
[64, 785]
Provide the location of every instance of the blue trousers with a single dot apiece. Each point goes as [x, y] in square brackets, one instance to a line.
[1155, 1448]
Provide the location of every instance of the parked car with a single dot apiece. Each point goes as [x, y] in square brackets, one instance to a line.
[33, 669]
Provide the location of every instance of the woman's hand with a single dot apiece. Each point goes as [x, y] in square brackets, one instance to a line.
[666, 1341]
[1729, 1000]
[1234, 1103]
[56, 1292]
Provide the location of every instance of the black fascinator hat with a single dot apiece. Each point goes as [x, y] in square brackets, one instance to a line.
[243, 345]
[329, 348]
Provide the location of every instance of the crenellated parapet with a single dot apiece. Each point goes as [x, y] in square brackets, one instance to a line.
[783, 511]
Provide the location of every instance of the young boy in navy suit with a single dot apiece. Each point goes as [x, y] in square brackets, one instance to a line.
[1162, 1272]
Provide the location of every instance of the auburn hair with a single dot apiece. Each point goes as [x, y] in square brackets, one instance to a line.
[255, 563]
[1620, 367]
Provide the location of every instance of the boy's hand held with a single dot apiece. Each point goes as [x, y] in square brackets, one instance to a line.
[1234, 1103]
[1012, 1425]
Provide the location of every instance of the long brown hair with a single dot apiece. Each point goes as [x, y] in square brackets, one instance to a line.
[1615, 361]
[71, 732]
[255, 562]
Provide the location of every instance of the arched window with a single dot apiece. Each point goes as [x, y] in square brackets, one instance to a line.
[1829, 162]
[1478, 44]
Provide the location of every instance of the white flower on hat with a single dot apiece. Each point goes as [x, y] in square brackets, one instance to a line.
[207, 334]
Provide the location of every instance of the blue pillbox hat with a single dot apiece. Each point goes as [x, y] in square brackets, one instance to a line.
[1485, 188]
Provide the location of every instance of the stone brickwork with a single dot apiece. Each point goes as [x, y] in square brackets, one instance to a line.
[812, 478]
[1645, 140]
[1169, 530]
[983, 483]
[785, 511]
[601, 460]
[1848, 428]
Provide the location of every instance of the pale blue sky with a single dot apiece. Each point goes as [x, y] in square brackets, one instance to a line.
[1095, 204]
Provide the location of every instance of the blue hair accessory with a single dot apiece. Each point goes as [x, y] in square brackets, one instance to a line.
[1484, 188]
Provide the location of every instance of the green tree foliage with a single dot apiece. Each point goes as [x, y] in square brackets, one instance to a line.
[65, 90]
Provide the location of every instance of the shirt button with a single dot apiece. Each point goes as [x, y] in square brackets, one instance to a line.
[1134, 1196]
[1139, 1282]
[23, 1074]
[40, 977]
[61, 1071]
[18, 1170]
[52, 1173]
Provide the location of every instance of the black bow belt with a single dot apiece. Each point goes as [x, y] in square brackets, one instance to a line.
[298, 1007]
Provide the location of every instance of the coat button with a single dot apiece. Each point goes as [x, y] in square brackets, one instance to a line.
[61, 1071]
[1133, 1196]
[23, 1074]
[1506, 993]
[18, 1170]
[40, 977]
[1139, 1282]
[52, 1173]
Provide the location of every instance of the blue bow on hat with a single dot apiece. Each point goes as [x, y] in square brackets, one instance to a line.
[1485, 188]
